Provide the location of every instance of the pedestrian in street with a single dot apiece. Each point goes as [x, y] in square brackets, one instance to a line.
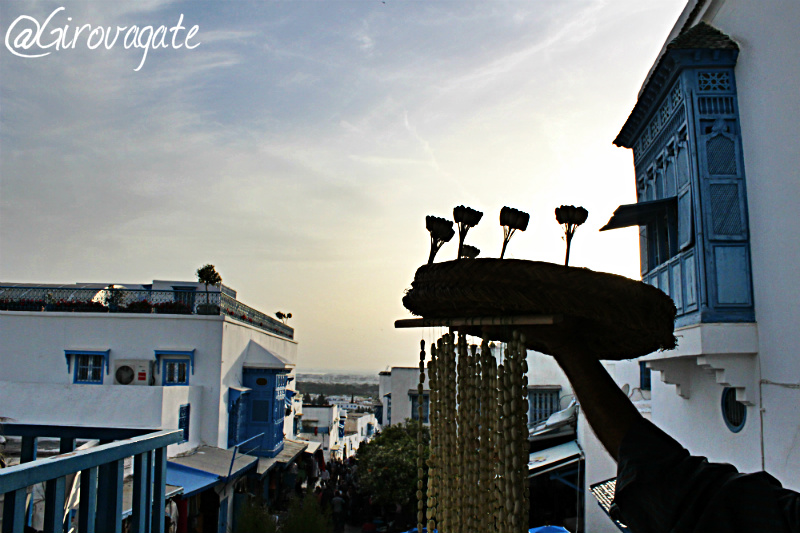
[338, 506]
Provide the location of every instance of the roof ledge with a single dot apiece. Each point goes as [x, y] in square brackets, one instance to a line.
[726, 350]
[683, 49]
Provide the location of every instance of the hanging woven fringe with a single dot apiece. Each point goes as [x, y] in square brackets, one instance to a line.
[477, 468]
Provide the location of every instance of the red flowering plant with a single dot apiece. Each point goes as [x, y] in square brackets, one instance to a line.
[27, 304]
[173, 308]
[141, 306]
[77, 306]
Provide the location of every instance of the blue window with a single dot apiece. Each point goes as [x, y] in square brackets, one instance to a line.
[89, 368]
[415, 407]
[183, 420]
[644, 376]
[175, 372]
[733, 412]
[260, 411]
[692, 203]
[543, 402]
[179, 376]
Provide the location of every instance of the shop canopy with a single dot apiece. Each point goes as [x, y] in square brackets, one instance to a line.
[550, 459]
[207, 467]
[640, 214]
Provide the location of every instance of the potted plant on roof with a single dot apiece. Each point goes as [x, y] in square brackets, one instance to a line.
[208, 275]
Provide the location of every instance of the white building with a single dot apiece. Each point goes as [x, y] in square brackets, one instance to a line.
[397, 390]
[712, 135]
[324, 424]
[358, 428]
[164, 355]
[548, 391]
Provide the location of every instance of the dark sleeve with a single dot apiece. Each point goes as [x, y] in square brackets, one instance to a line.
[663, 489]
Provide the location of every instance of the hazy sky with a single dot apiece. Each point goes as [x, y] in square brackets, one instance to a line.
[300, 145]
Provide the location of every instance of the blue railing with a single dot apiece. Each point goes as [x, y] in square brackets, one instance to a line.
[122, 300]
[101, 471]
[240, 445]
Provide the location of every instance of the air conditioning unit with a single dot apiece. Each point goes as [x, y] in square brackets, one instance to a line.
[133, 372]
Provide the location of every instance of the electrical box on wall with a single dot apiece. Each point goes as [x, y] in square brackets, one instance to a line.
[133, 372]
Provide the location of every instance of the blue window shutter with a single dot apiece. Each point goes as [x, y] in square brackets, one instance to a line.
[644, 376]
[643, 256]
[685, 228]
[183, 421]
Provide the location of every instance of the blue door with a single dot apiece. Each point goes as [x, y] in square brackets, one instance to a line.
[265, 409]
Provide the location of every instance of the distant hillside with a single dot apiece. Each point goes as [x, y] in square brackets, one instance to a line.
[315, 388]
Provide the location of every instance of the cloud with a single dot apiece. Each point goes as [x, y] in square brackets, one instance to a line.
[302, 144]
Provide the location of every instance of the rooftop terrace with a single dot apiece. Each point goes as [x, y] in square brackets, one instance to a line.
[184, 298]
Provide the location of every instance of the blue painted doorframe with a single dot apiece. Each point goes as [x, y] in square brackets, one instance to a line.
[223, 516]
[265, 408]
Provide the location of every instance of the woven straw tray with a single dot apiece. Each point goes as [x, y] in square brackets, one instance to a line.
[611, 316]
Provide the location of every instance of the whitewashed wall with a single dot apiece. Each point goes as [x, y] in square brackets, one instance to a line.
[242, 345]
[767, 75]
[103, 406]
[32, 348]
[402, 380]
[599, 467]
[543, 370]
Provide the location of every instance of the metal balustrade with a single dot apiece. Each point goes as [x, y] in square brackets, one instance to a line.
[101, 471]
[240, 445]
[102, 299]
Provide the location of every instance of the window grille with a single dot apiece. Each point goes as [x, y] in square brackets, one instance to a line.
[725, 210]
[715, 105]
[542, 404]
[89, 368]
[733, 412]
[721, 156]
[713, 81]
[175, 373]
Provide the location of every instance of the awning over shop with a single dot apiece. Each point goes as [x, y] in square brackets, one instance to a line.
[560, 424]
[312, 446]
[127, 495]
[291, 449]
[191, 480]
[604, 493]
[217, 461]
[548, 460]
[639, 214]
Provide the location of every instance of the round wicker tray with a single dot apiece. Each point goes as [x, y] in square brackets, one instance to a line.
[612, 316]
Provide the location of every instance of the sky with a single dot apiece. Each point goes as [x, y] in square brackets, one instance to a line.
[298, 147]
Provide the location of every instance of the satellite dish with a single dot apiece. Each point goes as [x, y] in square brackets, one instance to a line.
[626, 389]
